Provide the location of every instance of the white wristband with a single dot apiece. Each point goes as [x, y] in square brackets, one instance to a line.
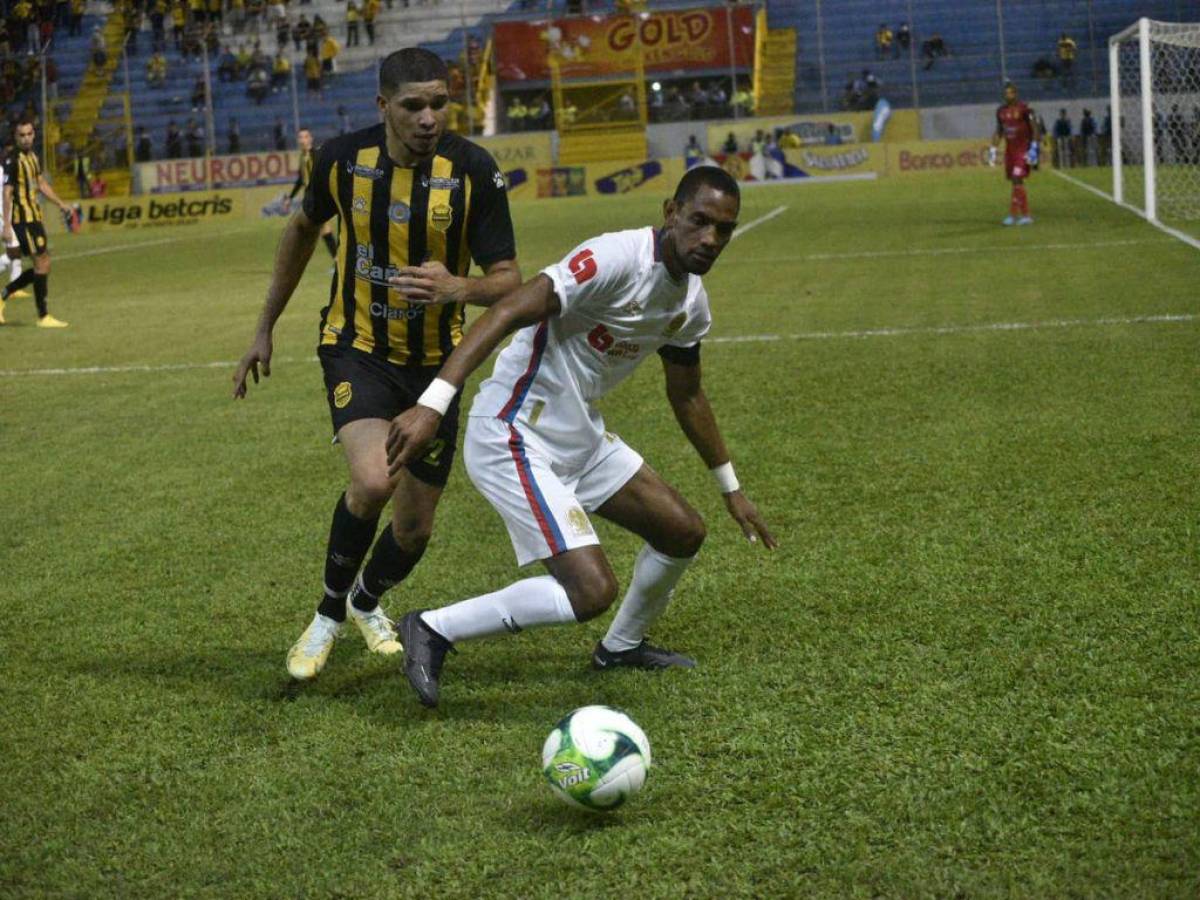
[725, 479]
[438, 396]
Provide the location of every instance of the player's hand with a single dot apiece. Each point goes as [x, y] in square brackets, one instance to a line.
[746, 515]
[287, 204]
[991, 156]
[409, 435]
[429, 283]
[259, 354]
[9, 236]
[1031, 155]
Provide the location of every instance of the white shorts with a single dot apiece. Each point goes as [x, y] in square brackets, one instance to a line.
[543, 504]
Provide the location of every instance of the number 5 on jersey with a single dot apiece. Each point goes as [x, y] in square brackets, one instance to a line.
[583, 266]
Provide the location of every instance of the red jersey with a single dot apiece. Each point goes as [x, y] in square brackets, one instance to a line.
[1016, 123]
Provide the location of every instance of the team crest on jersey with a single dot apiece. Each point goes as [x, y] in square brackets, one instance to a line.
[578, 521]
[675, 324]
[440, 217]
[342, 395]
[399, 213]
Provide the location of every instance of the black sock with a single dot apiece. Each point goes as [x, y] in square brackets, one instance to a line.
[389, 565]
[331, 244]
[349, 540]
[39, 292]
[19, 282]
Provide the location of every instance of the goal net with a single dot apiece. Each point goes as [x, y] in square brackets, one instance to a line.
[1154, 80]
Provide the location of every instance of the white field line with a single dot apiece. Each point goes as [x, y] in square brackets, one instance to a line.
[811, 179]
[1166, 229]
[742, 229]
[1167, 318]
[938, 251]
[158, 242]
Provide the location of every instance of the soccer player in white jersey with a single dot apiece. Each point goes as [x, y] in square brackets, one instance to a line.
[9, 256]
[537, 448]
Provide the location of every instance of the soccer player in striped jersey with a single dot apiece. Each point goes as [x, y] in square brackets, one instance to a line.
[308, 159]
[415, 207]
[23, 222]
[538, 449]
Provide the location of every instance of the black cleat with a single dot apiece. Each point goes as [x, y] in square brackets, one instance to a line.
[424, 652]
[643, 656]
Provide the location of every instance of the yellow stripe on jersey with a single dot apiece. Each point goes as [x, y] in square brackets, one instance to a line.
[464, 265]
[438, 219]
[25, 206]
[335, 319]
[363, 187]
[401, 198]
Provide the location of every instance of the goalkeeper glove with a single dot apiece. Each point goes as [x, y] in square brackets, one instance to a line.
[1031, 155]
[991, 156]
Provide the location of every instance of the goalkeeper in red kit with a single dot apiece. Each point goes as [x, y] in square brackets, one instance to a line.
[1016, 123]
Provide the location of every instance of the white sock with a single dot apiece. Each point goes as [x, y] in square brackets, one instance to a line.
[654, 578]
[524, 604]
[14, 269]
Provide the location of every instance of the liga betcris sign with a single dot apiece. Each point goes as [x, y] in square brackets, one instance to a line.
[216, 173]
[595, 46]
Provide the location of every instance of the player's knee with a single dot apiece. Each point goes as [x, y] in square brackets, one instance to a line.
[368, 493]
[690, 535]
[412, 535]
[590, 596]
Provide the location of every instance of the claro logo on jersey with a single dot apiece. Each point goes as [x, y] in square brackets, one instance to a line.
[365, 269]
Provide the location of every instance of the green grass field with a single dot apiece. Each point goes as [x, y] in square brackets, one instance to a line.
[972, 669]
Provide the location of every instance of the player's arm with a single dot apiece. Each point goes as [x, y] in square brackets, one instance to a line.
[996, 136]
[7, 201]
[695, 416]
[295, 248]
[48, 192]
[432, 283]
[533, 302]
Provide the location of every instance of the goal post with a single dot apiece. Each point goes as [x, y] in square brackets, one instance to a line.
[1154, 91]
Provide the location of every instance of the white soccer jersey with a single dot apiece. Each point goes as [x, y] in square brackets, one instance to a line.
[619, 305]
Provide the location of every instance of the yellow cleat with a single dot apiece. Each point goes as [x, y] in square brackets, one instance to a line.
[48, 321]
[2, 322]
[23, 292]
[307, 657]
[377, 630]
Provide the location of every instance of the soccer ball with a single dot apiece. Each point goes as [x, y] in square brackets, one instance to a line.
[596, 758]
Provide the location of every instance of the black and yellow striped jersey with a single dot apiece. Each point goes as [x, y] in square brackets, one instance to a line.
[452, 208]
[22, 172]
[304, 171]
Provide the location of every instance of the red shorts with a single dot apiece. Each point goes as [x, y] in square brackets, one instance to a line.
[1015, 165]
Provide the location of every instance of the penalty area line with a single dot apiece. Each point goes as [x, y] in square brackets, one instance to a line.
[742, 229]
[1165, 318]
[1165, 229]
[158, 242]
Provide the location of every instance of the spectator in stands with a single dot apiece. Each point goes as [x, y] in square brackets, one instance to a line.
[258, 85]
[281, 71]
[237, 15]
[199, 94]
[312, 72]
[158, 25]
[21, 15]
[698, 100]
[626, 106]
[884, 41]
[343, 115]
[932, 49]
[279, 134]
[370, 10]
[243, 59]
[1062, 140]
[234, 135]
[1087, 134]
[871, 86]
[542, 116]
[790, 141]
[718, 100]
[516, 112]
[329, 54]
[216, 12]
[174, 142]
[832, 137]
[730, 145]
[77, 10]
[156, 70]
[99, 48]
[300, 32]
[758, 143]
[283, 32]
[81, 169]
[903, 37]
[352, 18]
[1044, 69]
[693, 153]
[178, 22]
[96, 186]
[195, 138]
[1106, 137]
[1067, 49]
[227, 65]
[142, 150]
[320, 30]
[743, 99]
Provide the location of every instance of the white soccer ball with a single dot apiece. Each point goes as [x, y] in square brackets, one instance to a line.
[596, 758]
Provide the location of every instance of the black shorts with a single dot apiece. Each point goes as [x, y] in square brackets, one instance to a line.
[31, 236]
[361, 386]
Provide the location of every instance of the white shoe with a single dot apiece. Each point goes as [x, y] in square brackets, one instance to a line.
[377, 629]
[307, 656]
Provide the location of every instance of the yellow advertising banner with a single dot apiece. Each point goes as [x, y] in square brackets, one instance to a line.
[512, 151]
[814, 129]
[162, 210]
